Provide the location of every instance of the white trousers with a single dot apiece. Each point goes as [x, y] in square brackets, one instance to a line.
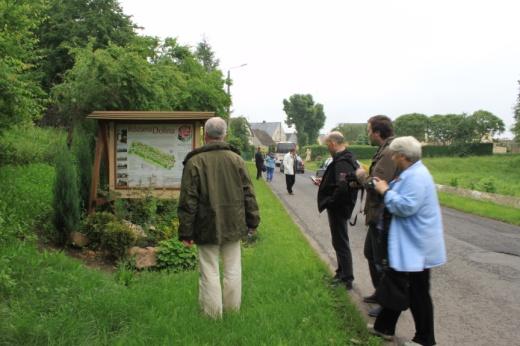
[211, 299]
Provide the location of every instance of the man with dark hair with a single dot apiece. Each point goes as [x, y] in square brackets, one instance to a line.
[335, 195]
[381, 133]
[259, 161]
[217, 206]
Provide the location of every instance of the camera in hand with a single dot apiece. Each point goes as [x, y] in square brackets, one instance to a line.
[371, 183]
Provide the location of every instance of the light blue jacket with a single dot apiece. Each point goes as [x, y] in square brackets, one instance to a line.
[270, 161]
[416, 239]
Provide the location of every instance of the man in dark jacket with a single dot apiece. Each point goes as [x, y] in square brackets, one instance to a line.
[217, 206]
[381, 133]
[259, 161]
[336, 195]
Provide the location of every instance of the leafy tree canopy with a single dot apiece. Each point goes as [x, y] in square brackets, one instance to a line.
[486, 124]
[206, 56]
[307, 117]
[351, 132]
[21, 98]
[414, 124]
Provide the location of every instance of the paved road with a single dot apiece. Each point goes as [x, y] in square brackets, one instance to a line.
[476, 294]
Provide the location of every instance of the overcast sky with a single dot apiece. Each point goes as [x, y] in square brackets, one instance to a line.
[357, 58]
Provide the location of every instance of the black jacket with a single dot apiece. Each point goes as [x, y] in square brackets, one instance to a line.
[259, 159]
[334, 192]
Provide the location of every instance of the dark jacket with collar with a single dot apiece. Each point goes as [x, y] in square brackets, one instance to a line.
[217, 203]
[334, 192]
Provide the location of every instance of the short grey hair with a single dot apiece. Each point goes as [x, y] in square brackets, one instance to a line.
[215, 128]
[407, 146]
[336, 137]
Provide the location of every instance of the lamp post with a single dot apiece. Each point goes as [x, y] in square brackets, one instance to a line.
[228, 82]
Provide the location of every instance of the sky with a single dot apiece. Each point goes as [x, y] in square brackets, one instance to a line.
[356, 58]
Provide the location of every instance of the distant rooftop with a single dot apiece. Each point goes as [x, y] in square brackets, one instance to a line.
[268, 127]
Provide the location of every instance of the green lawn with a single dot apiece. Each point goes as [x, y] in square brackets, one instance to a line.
[48, 298]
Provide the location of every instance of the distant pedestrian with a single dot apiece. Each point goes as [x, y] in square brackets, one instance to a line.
[336, 195]
[259, 161]
[415, 243]
[217, 206]
[270, 164]
[289, 169]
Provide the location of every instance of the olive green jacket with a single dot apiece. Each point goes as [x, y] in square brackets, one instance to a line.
[217, 202]
[383, 167]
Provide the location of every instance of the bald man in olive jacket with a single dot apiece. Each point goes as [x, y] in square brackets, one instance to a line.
[217, 207]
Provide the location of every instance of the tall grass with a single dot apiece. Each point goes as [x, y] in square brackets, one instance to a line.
[286, 299]
[29, 144]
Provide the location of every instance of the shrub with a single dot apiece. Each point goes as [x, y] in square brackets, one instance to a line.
[454, 182]
[66, 196]
[83, 150]
[95, 225]
[363, 152]
[117, 238]
[174, 256]
[487, 185]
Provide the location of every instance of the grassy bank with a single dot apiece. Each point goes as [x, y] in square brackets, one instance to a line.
[52, 299]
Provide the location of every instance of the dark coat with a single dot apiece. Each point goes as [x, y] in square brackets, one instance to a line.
[259, 159]
[334, 192]
[383, 167]
[217, 202]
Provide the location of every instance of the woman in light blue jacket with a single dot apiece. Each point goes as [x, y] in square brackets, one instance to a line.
[270, 163]
[415, 243]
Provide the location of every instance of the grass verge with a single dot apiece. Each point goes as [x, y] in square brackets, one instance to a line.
[53, 299]
[482, 208]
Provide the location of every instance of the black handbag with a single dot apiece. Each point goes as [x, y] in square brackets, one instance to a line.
[393, 291]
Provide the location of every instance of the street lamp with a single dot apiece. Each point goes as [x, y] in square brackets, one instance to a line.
[228, 82]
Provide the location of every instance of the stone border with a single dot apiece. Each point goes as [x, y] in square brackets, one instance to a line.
[479, 195]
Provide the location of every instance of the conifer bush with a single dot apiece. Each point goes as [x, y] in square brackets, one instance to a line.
[66, 200]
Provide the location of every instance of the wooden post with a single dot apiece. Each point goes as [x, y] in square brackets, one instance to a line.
[101, 145]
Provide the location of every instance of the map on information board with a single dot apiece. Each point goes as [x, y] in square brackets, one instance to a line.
[151, 155]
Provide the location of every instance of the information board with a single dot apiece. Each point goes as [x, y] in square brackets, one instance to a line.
[151, 155]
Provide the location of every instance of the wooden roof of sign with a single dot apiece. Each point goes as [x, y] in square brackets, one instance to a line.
[149, 115]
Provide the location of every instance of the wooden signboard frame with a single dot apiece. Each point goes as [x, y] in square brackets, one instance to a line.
[106, 148]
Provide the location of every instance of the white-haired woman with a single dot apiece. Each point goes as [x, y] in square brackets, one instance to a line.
[415, 243]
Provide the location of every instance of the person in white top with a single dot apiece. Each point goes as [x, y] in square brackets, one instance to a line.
[289, 162]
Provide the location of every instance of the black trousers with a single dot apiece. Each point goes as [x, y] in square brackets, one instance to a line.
[421, 307]
[372, 252]
[289, 181]
[258, 171]
[340, 243]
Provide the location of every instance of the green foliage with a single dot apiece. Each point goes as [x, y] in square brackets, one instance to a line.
[24, 144]
[117, 238]
[363, 152]
[116, 78]
[468, 149]
[352, 132]
[238, 134]
[125, 274]
[66, 196]
[306, 116]
[72, 24]
[454, 182]
[316, 151]
[206, 56]
[515, 129]
[21, 98]
[487, 184]
[414, 124]
[25, 200]
[174, 256]
[486, 124]
[83, 149]
[95, 225]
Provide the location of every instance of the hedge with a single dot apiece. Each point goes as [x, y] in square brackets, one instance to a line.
[366, 152]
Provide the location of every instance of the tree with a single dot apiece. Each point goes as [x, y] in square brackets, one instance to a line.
[516, 127]
[206, 57]
[443, 129]
[307, 117]
[351, 132]
[486, 124]
[73, 24]
[414, 124]
[21, 98]
[239, 133]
